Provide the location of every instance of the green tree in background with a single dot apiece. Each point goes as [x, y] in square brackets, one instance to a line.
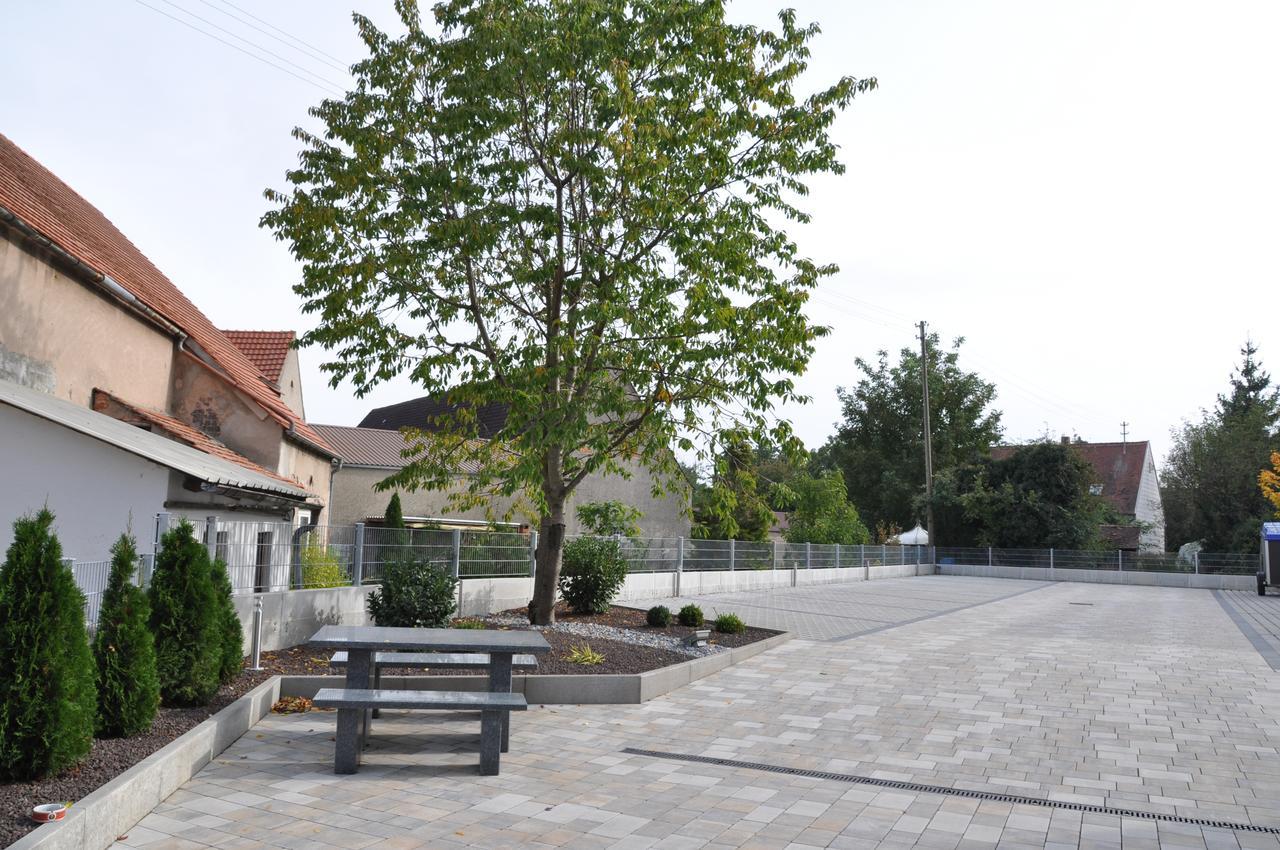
[125, 651]
[819, 511]
[47, 698]
[609, 518]
[1209, 482]
[393, 517]
[577, 210]
[734, 503]
[186, 619]
[879, 445]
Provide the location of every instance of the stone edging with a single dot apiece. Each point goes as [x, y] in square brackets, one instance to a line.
[110, 811]
[614, 689]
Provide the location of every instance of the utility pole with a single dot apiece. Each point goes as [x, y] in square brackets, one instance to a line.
[928, 438]
[1124, 436]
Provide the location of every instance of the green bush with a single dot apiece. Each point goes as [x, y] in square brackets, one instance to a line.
[469, 624]
[659, 616]
[592, 574]
[322, 567]
[414, 593]
[186, 619]
[729, 624]
[230, 632]
[125, 651]
[47, 699]
[691, 616]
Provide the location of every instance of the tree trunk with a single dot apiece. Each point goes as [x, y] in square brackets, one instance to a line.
[547, 579]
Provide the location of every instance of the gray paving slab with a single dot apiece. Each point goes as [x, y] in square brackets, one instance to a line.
[1139, 698]
[1258, 617]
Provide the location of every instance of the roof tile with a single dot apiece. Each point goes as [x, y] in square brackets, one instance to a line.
[266, 349]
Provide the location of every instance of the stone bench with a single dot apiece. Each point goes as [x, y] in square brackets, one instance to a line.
[424, 660]
[352, 703]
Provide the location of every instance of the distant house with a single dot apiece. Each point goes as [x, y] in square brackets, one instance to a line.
[1124, 475]
[371, 451]
[87, 320]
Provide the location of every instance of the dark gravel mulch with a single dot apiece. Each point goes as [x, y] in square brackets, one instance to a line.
[108, 759]
[621, 617]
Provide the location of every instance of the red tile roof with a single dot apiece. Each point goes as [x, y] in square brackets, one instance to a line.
[43, 202]
[266, 349]
[176, 429]
[1117, 465]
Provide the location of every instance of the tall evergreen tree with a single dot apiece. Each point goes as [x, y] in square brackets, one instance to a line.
[185, 619]
[47, 698]
[125, 651]
[394, 516]
[230, 630]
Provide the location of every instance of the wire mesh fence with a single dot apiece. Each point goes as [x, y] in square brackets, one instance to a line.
[1117, 560]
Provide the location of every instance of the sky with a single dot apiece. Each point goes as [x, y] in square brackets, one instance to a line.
[1087, 192]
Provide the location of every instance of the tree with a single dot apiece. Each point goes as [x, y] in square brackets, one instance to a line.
[610, 518]
[185, 619]
[230, 631]
[880, 444]
[820, 511]
[733, 504]
[47, 698]
[393, 517]
[1209, 484]
[574, 210]
[125, 651]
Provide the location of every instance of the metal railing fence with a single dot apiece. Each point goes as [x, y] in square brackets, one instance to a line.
[1118, 560]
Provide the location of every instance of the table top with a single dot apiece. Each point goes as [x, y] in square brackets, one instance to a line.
[438, 640]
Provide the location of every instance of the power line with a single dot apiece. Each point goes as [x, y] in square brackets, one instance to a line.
[307, 51]
[284, 32]
[264, 61]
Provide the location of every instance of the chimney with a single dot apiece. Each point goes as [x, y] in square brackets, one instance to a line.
[1066, 441]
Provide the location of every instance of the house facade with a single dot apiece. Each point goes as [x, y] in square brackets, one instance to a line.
[369, 455]
[87, 319]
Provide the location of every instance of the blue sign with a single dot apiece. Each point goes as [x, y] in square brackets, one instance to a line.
[1271, 531]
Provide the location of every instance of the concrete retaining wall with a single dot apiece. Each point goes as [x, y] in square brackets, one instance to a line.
[1149, 579]
[95, 822]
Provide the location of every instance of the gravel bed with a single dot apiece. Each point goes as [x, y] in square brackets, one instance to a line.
[655, 638]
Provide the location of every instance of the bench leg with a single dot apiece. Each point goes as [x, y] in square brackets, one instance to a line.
[346, 748]
[377, 685]
[490, 741]
[500, 682]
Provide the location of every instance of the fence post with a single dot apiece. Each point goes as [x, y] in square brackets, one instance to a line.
[456, 567]
[533, 553]
[679, 562]
[1120, 559]
[1195, 560]
[837, 556]
[1050, 562]
[777, 553]
[211, 536]
[257, 633]
[357, 557]
[732, 553]
[989, 559]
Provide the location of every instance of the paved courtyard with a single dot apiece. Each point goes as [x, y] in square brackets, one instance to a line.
[1134, 698]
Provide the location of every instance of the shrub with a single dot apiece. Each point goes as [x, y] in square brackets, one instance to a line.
[691, 616]
[414, 593]
[125, 651]
[185, 619]
[230, 632]
[584, 655]
[47, 699]
[592, 575]
[322, 567]
[469, 624]
[659, 616]
[393, 517]
[729, 624]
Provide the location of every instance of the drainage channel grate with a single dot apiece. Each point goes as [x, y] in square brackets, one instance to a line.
[918, 787]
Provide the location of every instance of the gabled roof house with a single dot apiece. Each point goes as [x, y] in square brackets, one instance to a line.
[87, 320]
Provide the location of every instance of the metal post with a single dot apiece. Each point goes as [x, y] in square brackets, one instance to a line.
[837, 556]
[257, 634]
[457, 565]
[211, 536]
[989, 560]
[1195, 559]
[1051, 562]
[533, 553]
[884, 555]
[732, 554]
[357, 557]
[1120, 559]
[679, 562]
[777, 554]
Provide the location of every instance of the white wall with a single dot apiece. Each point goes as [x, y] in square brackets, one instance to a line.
[91, 487]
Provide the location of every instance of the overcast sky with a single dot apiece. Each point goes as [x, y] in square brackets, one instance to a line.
[1088, 191]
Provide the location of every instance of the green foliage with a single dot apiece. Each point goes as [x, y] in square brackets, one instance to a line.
[187, 619]
[393, 517]
[729, 624]
[414, 593]
[821, 513]
[322, 567]
[581, 211]
[691, 616]
[125, 651]
[593, 573]
[469, 624]
[230, 631]
[47, 698]
[609, 519]
[584, 655]
[880, 444]
[659, 616]
[1209, 483]
[733, 504]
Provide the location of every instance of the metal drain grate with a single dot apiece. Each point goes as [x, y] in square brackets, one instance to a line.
[918, 787]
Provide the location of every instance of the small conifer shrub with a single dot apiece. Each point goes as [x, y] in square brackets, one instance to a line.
[230, 632]
[125, 651]
[185, 619]
[47, 699]
[691, 616]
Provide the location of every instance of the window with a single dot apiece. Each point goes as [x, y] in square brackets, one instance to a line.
[263, 562]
